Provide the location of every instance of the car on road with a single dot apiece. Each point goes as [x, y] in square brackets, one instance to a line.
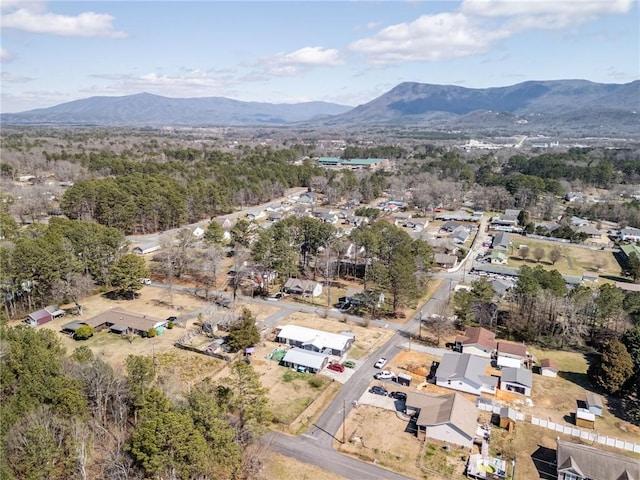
[398, 396]
[376, 390]
[349, 364]
[381, 362]
[384, 375]
[336, 367]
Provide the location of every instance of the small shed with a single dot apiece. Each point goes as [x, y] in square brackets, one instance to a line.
[594, 403]
[404, 379]
[507, 418]
[584, 418]
[548, 368]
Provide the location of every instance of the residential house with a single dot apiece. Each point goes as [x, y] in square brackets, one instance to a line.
[498, 257]
[501, 287]
[579, 222]
[449, 226]
[305, 360]
[466, 373]
[511, 354]
[501, 241]
[307, 288]
[451, 419]
[590, 231]
[476, 341]
[308, 198]
[548, 368]
[509, 219]
[255, 214]
[445, 261]
[120, 321]
[315, 340]
[146, 248]
[629, 234]
[582, 462]
[460, 234]
[45, 315]
[518, 380]
[594, 403]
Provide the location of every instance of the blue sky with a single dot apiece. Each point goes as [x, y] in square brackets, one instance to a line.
[292, 51]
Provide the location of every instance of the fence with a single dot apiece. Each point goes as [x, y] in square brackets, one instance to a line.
[585, 435]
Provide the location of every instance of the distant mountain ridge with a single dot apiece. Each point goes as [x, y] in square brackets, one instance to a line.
[146, 109]
[527, 107]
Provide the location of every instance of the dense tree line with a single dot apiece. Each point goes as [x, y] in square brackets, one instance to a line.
[63, 262]
[74, 417]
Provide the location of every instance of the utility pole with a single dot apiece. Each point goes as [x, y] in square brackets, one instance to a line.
[344, 417]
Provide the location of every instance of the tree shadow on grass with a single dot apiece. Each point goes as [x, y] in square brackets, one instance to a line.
[580, 379]
[544, 460]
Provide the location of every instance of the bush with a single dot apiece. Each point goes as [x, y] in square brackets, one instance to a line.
[152, 332]
[170, 325]
[316, 382]
[84, 332]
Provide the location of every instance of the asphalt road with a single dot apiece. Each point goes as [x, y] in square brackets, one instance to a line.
[316, 445]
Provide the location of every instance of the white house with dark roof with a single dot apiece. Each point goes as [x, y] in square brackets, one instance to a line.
[297, 286]
[511, 354]
[476, 341]
[466, 373]
[315, 340]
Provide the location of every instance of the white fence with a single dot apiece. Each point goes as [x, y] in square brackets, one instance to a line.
[585, 435]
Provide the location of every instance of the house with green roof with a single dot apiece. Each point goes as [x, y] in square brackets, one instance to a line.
[354, 163]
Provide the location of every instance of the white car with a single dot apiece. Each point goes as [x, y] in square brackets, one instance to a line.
[381, 362]
[384, 375]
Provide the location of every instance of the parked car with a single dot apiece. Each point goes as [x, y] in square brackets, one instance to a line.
[398, 396]
[172, 318]
[378, 391]
[384, 375]
[349, 364]
[277, 296]
[381, 362]
[336, 367]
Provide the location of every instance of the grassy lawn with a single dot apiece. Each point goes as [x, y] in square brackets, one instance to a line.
[288, 468]
[574, 261]
[556, 398]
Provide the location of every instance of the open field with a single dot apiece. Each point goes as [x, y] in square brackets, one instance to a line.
[575, 259]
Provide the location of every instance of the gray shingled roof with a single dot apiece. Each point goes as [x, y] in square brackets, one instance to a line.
[517, 375]
[438, 410]
[594, 463]
[307, 358]
[470, 367]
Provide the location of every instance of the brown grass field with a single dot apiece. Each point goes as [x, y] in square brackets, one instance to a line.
[575, 259]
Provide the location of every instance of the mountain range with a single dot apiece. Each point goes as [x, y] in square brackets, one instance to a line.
[567, 105]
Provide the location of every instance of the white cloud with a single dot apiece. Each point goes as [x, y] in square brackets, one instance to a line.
[5, 55]
[524, 15]
[289, 64]
[33, 18]
[429, 38]
[476, 26]
[11, 78]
